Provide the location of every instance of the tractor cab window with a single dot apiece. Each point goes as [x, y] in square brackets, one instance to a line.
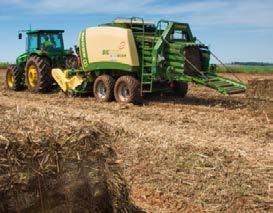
[179, 35]
[57, 40]
[32, 42]
[51, 42]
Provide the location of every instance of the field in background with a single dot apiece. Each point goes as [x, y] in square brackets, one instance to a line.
[4, 65]
[232, 68]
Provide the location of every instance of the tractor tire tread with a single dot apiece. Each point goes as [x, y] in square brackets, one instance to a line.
[45, 80]
[18, 77]
[71, 62]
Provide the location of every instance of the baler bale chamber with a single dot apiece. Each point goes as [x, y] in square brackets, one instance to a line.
[127, 58]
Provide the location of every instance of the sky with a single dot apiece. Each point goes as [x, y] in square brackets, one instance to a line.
[235, 30]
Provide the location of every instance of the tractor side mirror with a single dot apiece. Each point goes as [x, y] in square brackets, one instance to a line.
[20, 36]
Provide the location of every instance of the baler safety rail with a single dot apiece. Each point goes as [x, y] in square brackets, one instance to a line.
[221, 84]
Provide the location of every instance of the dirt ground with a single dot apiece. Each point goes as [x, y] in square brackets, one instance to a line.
[203, 153]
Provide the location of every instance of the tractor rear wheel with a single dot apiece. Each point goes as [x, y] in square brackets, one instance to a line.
[103, 88]
[127, 90]
[14, 78]
[38, 74]
[71, 62]
[180, 88]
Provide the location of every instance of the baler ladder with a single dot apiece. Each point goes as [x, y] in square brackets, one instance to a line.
[146, 71]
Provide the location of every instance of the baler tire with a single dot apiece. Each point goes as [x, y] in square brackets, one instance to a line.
[132, 85]
[44, 77]
[108, 83]
[180, 88]
[14, 74]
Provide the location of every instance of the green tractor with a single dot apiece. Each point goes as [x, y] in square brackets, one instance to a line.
[44, 51]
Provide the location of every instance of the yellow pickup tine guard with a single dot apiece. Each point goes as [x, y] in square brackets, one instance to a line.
[64, 81]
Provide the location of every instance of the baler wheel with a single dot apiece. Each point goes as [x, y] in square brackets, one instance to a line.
[127, 90]
[14, 78]
[180, 88]
[103, 88]
[38, 74]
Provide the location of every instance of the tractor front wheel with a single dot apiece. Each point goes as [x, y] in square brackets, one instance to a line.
[103, 88]
[14, 78]
[180, 88]
[127, 90]
[38, 74]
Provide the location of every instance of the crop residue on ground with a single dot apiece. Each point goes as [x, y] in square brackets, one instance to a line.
[206, 152]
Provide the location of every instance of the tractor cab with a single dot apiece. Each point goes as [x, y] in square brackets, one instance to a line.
[44, 40]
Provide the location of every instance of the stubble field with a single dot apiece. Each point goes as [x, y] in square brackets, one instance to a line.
[203, 153]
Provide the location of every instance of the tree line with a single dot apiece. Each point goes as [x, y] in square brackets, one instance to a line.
[252, 63]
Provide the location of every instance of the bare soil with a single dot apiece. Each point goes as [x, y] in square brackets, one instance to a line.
[203, 153]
